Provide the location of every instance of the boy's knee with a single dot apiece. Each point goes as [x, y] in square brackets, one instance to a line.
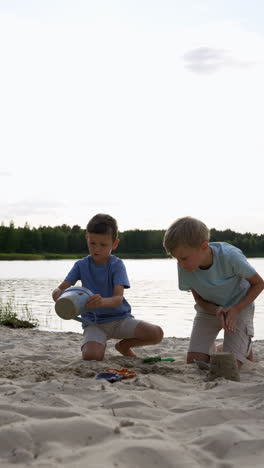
[90, 356]
[158, 334]
[93, 353]
[147, 331]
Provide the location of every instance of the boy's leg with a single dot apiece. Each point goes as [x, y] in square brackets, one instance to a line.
[144, 334]
[204, 332]
[239, 342]
[93, 351]
[93, 343]
[250, 356]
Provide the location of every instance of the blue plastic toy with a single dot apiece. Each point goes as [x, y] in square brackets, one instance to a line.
[109, 376]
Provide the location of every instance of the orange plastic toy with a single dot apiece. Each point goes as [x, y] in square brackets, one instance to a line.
[124, 373]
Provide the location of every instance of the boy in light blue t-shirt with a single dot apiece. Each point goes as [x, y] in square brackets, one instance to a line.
[105, 275]
[224, 286]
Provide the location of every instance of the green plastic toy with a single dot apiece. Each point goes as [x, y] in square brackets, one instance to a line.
[157, 359]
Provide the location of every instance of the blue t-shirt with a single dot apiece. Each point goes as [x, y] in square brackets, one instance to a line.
[101, 279]
[224, 283]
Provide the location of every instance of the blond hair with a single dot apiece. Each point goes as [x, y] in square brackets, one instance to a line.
[187, 231]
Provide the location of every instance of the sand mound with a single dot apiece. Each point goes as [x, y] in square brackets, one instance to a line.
[53, 411]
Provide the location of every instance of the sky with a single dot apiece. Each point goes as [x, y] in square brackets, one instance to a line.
[148, 110]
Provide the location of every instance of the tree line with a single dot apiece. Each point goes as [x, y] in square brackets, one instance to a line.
[71, 240]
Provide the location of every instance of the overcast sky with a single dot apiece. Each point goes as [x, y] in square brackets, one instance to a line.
[148, 110]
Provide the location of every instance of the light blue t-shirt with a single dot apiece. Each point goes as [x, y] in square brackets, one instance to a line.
[101, 279]
[224, 283]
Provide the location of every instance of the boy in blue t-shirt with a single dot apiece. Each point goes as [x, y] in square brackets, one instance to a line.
[224, 286]
[105, 275]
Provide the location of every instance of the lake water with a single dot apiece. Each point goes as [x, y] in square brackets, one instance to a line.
[154, 294]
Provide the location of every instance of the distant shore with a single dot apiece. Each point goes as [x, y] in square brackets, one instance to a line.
[54, 256]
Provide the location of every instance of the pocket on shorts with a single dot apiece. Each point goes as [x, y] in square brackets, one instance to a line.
[250, 330]
[249, 321]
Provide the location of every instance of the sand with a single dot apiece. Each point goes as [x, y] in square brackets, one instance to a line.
[53, 411]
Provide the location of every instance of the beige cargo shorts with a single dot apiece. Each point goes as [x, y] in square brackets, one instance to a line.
[207, 326]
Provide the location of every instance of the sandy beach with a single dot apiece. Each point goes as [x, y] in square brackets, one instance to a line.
[53, 411]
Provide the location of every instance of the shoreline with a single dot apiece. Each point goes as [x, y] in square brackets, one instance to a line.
[50, 256]
[54, 412]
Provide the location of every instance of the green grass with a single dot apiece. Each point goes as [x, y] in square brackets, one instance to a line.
[142, 256]
[12, 316]
[44, 256]
[55, 256]
[58, 256]
[18, 256]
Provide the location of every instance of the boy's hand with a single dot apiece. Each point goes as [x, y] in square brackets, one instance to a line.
[231, 316]
[220, 313]
[94, 301]
[56, 294]
[228, 318]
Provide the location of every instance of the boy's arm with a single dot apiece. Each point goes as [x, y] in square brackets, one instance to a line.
[210, 308]
[57, 291]
[115, 301]
[256, 286]
[206, 306]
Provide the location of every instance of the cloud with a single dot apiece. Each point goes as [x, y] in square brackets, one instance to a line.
[211, 60]
[45, 212]
[29, 208]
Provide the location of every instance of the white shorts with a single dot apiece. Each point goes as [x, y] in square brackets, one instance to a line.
[118, 329]
[207, 326]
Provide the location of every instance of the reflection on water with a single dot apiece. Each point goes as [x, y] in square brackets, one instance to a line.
[154, 294]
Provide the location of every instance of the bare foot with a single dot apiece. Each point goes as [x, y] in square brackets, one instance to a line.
[123, 350]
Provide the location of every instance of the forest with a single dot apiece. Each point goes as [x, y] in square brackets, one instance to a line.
[63, 241]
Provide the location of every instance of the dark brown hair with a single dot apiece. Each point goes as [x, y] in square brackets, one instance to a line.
[103, 224]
